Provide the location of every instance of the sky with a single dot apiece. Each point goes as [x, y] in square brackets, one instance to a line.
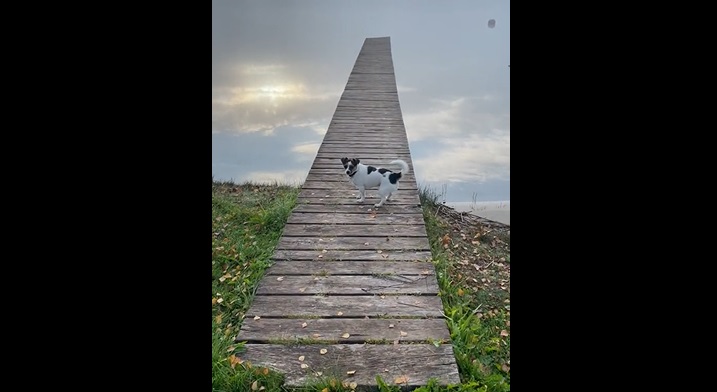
[279, 68]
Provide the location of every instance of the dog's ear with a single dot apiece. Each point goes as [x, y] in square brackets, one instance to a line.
[344, 160]
[355, 161]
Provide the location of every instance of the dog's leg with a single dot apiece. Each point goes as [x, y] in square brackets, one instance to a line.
[380, 203]
[361, 197]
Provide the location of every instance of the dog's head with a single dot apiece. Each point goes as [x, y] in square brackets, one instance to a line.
[350, 165]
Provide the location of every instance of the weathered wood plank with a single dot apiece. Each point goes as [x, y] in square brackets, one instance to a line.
[351, 200]
[333, 330]
[283, 267]
[359, 208]
[321, 185]
[393, 230]
[350, 285]
[417, 363]
[367, 218]
[349, 190]
[340, 176]
[333, 255]
[352, 306]
[312, 241]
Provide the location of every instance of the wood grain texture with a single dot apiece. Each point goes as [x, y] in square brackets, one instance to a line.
[359, 330]
[314, 241]
[350, 284]
[416, 363]
[351, 255]
[353, 267]
[353, 306]
[358, 208]
[366, 219]
[391, 230]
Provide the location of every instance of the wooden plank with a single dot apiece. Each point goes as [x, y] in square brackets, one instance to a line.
[319, 185]
[358, 208]
[325, 255]
[351, 200]
[417, 363]
[348, 190]
[349, 285]
[353, 306]
[333, 330]
[300, 230]
[312, 241]
[368, 218]
[306, 267]
[340, 176]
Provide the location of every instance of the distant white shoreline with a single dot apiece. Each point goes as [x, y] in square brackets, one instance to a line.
[498, 211]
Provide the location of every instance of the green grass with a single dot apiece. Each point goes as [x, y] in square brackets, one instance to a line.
[480, 350]
[247, 222]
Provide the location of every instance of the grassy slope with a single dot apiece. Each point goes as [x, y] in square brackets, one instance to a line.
[247, 221]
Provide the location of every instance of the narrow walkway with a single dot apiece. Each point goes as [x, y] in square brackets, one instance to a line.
[349, 278]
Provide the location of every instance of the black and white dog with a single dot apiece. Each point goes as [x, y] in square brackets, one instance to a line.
[365, 177]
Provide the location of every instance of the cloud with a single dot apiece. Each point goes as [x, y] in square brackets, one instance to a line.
[456, 117]
[477, 158]
[262, 97]
[306, 151]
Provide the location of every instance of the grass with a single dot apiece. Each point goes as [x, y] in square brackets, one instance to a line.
[247, 222]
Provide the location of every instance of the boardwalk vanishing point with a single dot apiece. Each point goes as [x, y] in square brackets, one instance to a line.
[352, 289]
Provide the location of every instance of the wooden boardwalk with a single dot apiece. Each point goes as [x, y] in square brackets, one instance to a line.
[347, 277]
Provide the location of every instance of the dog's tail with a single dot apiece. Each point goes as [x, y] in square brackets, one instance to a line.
[404, 165]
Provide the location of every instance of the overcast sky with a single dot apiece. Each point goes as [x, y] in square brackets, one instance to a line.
[280, 67]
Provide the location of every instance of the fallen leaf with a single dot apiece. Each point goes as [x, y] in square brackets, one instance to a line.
[262, 388]
[379, 251]
[340, 313]
[476, 266]
[255, 385]
[280, 278]
[383, 296]
[214, 301]
[233, 361]
[302, 289]
[332, 383]
[324, 251]
[316, 335]
[507, 323]
[220, 300]
[265, 371]
[304, 366]
[301, 358]
[351, 372]
[460, 292]
[503, 333]
[325, 390]
[505, 368]
[304, 324]
[365, 243]
[320, 256]
[401, 380]
[346, 335]
[353, 385]
[395, 342]
[390, 325]
[319, 373]
[218, 319]
[323, 351]
[230, 349]
[404, 333]
[256, 317]
[445, 240]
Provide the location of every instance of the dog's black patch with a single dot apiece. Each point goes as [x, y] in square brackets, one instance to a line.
[394, 177]
[370, 169]
[382, 170]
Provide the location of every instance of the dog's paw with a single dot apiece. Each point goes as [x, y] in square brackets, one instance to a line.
[377, 205]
